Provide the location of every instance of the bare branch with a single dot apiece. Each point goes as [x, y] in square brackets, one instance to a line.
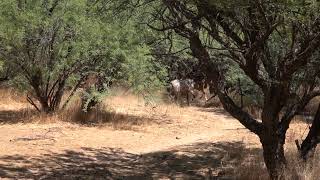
[29, 99]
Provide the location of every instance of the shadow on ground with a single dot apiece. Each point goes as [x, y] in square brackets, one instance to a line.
[196, 161]
[217, 111]
[18, 116]
[94, 118]
[128, 120]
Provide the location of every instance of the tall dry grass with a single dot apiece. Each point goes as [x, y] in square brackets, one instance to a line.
[296, 168]
[119, 112]
[11, 96]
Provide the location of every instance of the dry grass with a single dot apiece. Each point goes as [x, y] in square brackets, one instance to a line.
[120, 113]
[11, 99]
[132, 138]
[12, 96]
[255, 168]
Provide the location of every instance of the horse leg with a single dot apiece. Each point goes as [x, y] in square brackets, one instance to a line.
[205, 95]
[188, 99]
[201, 95]
[181, 99]
[176, 99]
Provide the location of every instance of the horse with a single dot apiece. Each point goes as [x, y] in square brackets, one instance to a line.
[179, 88]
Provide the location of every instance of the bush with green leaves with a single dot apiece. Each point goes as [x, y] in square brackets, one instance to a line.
[55, 44]
[49, 41]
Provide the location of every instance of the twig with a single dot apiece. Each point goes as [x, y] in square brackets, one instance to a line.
[32, 103]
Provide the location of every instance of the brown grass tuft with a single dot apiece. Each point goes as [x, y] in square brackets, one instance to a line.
[75, 114]
[11, 95]
[104, 115]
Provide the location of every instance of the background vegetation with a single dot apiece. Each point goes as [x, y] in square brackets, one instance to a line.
[266, 52]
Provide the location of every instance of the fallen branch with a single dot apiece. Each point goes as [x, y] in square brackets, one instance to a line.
[32, 103]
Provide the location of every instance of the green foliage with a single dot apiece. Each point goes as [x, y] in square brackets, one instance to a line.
[29, 32]
[58, 42]
[131, 44]
[93, 96]
[251, 92]
[143, 73]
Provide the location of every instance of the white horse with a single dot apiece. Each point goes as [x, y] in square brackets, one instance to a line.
[180, 88]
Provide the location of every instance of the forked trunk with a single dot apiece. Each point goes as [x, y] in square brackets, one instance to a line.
[46, 106]
[47, 92]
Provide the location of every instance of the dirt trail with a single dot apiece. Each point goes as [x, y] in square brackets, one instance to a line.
[143, 131]
[161, 128]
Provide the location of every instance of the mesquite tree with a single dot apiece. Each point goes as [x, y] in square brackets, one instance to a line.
[53, 45]
[47, 42]
[274, 43]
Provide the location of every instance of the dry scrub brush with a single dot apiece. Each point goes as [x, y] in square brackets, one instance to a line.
[108, 113]
[297, 169]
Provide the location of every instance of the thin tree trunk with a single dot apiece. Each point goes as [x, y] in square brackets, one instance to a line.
[73, 91]
[241, 93]
[56, 101]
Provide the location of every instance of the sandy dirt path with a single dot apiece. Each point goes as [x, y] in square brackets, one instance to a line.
[156, 142]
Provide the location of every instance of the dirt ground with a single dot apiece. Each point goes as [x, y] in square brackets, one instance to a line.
[140, 142]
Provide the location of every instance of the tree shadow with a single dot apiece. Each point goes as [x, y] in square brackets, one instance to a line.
[194, 161]
[217, 111]
[95, 118]
[16, 116]
[117, 120]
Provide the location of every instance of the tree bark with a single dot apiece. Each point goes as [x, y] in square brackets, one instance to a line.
[273, 136]
[49, 105]
[310, 143]
[273, 153]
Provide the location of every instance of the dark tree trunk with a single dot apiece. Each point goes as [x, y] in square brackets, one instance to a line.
[49, 102]
[273, 136]
[57, 97]
[273, 153]
[311, 141]
[44, 105]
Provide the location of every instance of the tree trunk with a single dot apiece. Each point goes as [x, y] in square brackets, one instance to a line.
[49, 105]
[43, 103]
[310, 143]
[273, 153]
[273, 136]
[49, 102]
[45, 107]
[56, 101]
